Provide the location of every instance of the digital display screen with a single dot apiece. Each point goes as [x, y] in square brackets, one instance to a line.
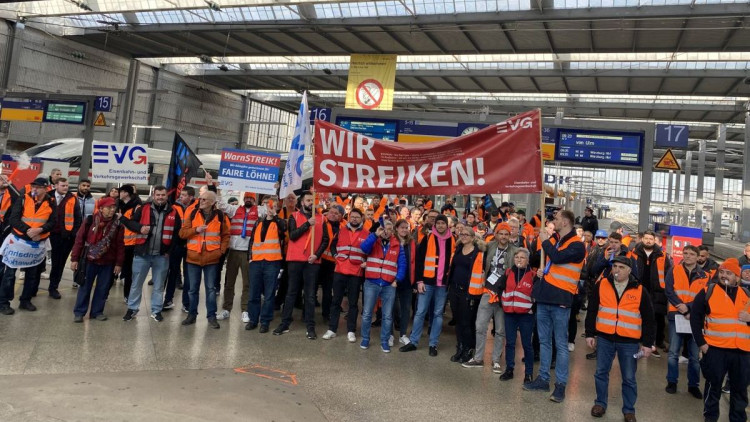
[64, 112]
[372, 128]
[597, 146]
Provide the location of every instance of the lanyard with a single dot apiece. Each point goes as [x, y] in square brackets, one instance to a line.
[244, 225]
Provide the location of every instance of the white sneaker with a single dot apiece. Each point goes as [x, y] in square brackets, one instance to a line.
[224, 314]
[683, 360]
[351, 337]
[496, 368]
[245, 317]
[45, 276]
[329, 335]
[571, 347]
[390, 341]
[404, 340]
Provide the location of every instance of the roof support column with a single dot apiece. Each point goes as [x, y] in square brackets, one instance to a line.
[685, 220]
[719, 179]
[148, 134]
[675, 204]
[131, 90]
[699, 185]
[670, 190]
[745, 223]
[646, 179]
[241, 133]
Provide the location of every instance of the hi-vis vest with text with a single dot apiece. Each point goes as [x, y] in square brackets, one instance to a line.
[270, 248]
[685, 290]
[476, 282]
[381, 267]
[622, 318]
[565, 276]
[33, 217]
[516, 297]
[723, 327]
[349, 255]
[211, 238]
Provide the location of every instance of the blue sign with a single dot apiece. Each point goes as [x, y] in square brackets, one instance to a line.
[599, 146]
[549, 135]
[672, 136]
[372, 128]
[103, 104]
[320, 114]
[249, 171]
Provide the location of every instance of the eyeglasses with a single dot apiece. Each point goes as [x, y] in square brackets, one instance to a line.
[467, 234]
[204, 199]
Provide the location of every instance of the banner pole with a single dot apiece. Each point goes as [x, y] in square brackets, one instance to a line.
[541, 207]
[315, 195]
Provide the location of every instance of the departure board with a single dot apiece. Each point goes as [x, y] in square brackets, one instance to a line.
[372, 128]
[598, 146]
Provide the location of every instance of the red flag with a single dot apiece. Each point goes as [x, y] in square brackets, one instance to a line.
[502, 158]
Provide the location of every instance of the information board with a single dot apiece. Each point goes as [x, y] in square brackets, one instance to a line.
[17, 109]
[426, 131]
[598, 146]
[64, 112]
[373, 128]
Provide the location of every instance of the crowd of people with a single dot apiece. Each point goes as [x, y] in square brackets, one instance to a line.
[502, 276]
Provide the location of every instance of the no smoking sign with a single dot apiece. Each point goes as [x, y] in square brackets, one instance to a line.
[370, 94]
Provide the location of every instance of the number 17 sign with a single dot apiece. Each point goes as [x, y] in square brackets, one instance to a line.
[672, 136]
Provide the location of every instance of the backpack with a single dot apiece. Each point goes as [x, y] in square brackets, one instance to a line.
[219, 212]
[712, 286]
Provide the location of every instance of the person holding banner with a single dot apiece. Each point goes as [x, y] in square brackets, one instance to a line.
[432, 264]
[32, 218]
[308, 239]
[63, 234]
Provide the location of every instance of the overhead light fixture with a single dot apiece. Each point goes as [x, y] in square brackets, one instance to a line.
[206, 59]
[224, 68]
[213, 6]
[327, 71]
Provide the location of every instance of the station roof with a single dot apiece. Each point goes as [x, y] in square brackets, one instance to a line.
[659, 60]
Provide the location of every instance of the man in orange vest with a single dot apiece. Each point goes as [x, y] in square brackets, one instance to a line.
[302, 263]
[683, 283]
[720, 322]
[128, 204]
[266, 258]
[620, 321]
[554, 297]
[206, 230]
[156, 224]
[32, 218]
[63, 235]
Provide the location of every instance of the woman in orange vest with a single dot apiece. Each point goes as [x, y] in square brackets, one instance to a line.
[720, 322]
[620, 320]
[465, 288]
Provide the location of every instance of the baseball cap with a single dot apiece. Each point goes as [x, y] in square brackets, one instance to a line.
[601, 233]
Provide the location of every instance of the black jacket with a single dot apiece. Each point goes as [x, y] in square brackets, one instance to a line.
[546, 293]
[60, 217]
[420, 256]
[651, 281]
[603, 264]
[648, 321]
[134, 224]
[590, 224]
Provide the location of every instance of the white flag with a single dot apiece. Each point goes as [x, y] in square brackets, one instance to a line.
[292, 178]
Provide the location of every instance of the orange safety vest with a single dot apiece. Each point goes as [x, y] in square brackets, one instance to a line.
[383, 267]
[299, 250]
[684, 289]
[517, 294]
[33, 217]
[327, 255]
[210, 239]
[129, 235]
[536, 223]
[660, 269]
[431, 258]
[622, 318]
[180, 210]
[239, 219]
[70, 209]
[367, 225]
[269, 249]
[528, 231]
[4, 205]
[722, 326]
[349, 254]
[476, 282]
[565, 276]
[342, 202]
[167, 232]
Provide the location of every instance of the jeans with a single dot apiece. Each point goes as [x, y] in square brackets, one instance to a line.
[489, 311]
[431, 294]
[349, 285]
[263, 280]
[525, 324]
[61, 248]
[102, 275]
[553, 320]
[402, 306]
[387, 295]
[209, 278]
[325, 278]
[237, 262]
[605, 355]
[141, 264]
[675, 345]
[176, 259]
[715, 364]
[301, 275]
[465, 314]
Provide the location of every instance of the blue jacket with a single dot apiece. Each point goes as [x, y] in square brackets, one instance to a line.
[402, 264]
[543, 291]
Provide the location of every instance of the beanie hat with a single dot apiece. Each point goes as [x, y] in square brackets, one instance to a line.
[745, 267]
[732, 265]
[106, 202]
[503, 226]
[442, 218]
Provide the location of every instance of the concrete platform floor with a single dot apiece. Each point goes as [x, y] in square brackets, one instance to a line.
[53, 369]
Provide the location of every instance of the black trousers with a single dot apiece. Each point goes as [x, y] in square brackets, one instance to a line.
[62, 245]
[325, 279]
[575, 308]
[217, 280]
[661, 326]
[348, 285]
[301, 276]
[464, 307]
[177, 265]
[127, 271]
[715, 364]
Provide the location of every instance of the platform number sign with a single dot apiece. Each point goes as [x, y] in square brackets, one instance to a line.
[672, 136]
[320, 114]
[103, 104]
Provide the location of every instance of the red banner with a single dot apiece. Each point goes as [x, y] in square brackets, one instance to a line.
[502, 158]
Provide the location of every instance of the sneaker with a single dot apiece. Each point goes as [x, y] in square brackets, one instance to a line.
[27, 305]
[683, 360]
[157, 317]
[526, 379]
[224, 314]
[329, 335]
[537, 385]
[433, 351]
[311, 334]
[390, 342]
[408, 348]
[281, 329]
[190, 320]
[250, 326]
[591, 356]
[695, 392]
[129, 315]
[473, 363]
[168, 305]
[351, 337]
[385, 347]
[404, 340]
[78, 318]
[598, 411]
[656, 353]
[213, 324]
[365, 344]
[263, 329]
[671, 388]
[571, 347]
[245, 317]
[185, 309]
[507, 375]
[7, 310]
[559, 394]
[100, 317]
[54, 294]
[496, 368]
[75, 285]
[725, 389]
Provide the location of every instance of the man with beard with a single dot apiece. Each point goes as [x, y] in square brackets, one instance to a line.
[303, 263]
[425, 228]
[589, 221]
[597, 249]
[86, 202]
[709, 266]
[652, 264]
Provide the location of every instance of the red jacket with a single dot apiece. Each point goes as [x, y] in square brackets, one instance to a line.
[115, 255]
